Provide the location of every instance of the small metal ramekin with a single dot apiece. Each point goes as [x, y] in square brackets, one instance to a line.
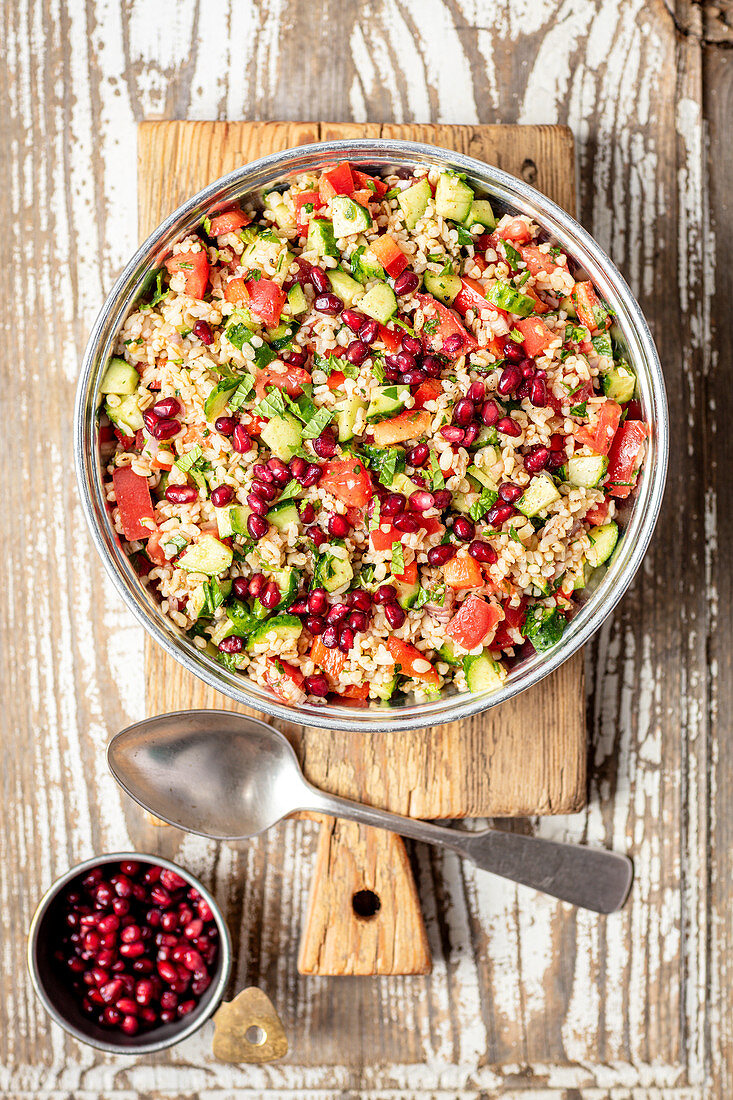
[60, 1001]
[507, 194]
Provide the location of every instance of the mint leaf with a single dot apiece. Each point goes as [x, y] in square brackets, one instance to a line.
[188, 461]
[398, 558]
[480, 507]
[317, 423]
[242, 392]
[437, 480]
[238, 334]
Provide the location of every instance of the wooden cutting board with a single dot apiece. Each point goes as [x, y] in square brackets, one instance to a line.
[525, 757]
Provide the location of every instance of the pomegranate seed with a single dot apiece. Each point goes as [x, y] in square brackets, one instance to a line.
[121, 906]
[148, 1015]
[240, 588]
[406, 283]
[393, 504]
[167, 971]
[137, 947]
[261, 473]
[439, 555]
[298, 466]
[130, 933]
[536, 460]
[181, 494]
[298, 607]
[127, 1005]
[110, 923]
[318, 601]
[320, 280]
[259, 506]
[111, 991]
[91, 941]
[453, 434]
[167, 408]
[508, 426]
[421, 500]
[356, 352]
[317, 536]
[103, 895]
[241, 440]
[353, 319]
[453, 344]
[419, 455]
[500, 513]
[412, 344]
[463, 412]
[360, 599]
[482, 551]
[144, 991]
[555, 460]
[294, 357]
[403, 521]
[279, 471]
[330, 637]
[369, 331]
[130, 1025]
[463, 528]
[538, 393]
[338, 526]
[307, 512]
[271, 596]
[311, 476]
[513, 352]
[528, 369]
[316, 685]
[471, 434]
[222, 495]
[160, 896]
[414, 377]
[166, 429]
[346, 639]
[405, 361]
[265, 490]
[329, 304]
[357, 621]
[315, 625]
[325, 445]
[225, 425]
[490, 413]
[442, 498]
[111, 1016]
[510, 493]
[256, 585]
[185, 1007]
[394, 615]
[476, 392]
[510, 378]
[432, 366]
[386, 593]
[167, 1016]
[338, 613]
[231, 645]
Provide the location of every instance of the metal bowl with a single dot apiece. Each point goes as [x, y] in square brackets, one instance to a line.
[59, 1000]
[506, 194]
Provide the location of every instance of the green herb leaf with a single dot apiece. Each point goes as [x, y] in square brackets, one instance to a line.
[393, 193]
[431, 325]
[517, 336]
[464, 237]
[239, 334]
[579, 410]
[272, 404]
[402, 325]
[242, 392]
[213, 598]
[513, 257]
[385, 461]
[317, 423]
[190, 459]
[398, 558]
[376, 514]
[430, 595]
[480, 507]
[292, 489]
[173, 546]
[378, 365]
[437, 479]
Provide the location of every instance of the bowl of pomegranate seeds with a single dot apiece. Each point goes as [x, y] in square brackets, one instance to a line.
[371, 435]
[129, 953]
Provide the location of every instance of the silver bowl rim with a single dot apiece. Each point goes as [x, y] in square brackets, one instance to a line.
[516, 193]
[188, 1025]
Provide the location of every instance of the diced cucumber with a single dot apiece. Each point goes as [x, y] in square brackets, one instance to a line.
[379, 302]
[481, 214]
[603, 543]
[232, 520]
[538, 496]
[321, 238]
[345, 288]
[385, 691]
[280, 631]
[120, 377]
[619, 383]
[508, 298]
[443, 287]
[482, 476]
[387, 401]
[487, 436]
[283, 435]
[406, 593]
[282, 514]
[244, 620]
[349, 217]
[275, 203]
[364, 266]
[463, 502]
[126, 415]
[544, 626]
[197, 601]
[331, 572]
[222, 630]
[447, 653]
[297, 301]
[586, 471]
[413, 202]
[216, 402]
[568, 306]
[401, 483]
[453, 198]
[281, 337]
[346, 413]
[207, 555]
[483, 673]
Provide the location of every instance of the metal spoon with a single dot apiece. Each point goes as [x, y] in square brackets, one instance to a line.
[230, 777]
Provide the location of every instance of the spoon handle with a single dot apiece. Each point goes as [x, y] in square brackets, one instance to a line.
[591, 878]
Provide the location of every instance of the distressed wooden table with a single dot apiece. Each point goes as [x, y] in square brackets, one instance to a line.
[526, 999]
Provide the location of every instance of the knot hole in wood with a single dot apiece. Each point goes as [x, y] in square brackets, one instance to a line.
[366, 904]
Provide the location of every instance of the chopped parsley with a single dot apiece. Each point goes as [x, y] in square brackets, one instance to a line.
[376, 515]
[430, 595]
[464, 237]
[513, 257]
[579, 410]
[431, 325]
[213, 598]
[272, 404]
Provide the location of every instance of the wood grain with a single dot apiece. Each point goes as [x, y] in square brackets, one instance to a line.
[526, 999]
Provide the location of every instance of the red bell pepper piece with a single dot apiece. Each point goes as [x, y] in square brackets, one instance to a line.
[389, 254]
[373, 183]
[349, 480]
[266, 299]
[537, 336]
[428, 391]
[195, 265]
[448, 325]
[589, 309]
[134, 502]
[475, 623]
[624, 459]
[412, 662]
[471, 296]
[390, 339]
[336, 181]
[229, 221]
[303, 216]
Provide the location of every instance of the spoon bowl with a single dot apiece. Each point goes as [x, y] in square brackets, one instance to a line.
[215, 773]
